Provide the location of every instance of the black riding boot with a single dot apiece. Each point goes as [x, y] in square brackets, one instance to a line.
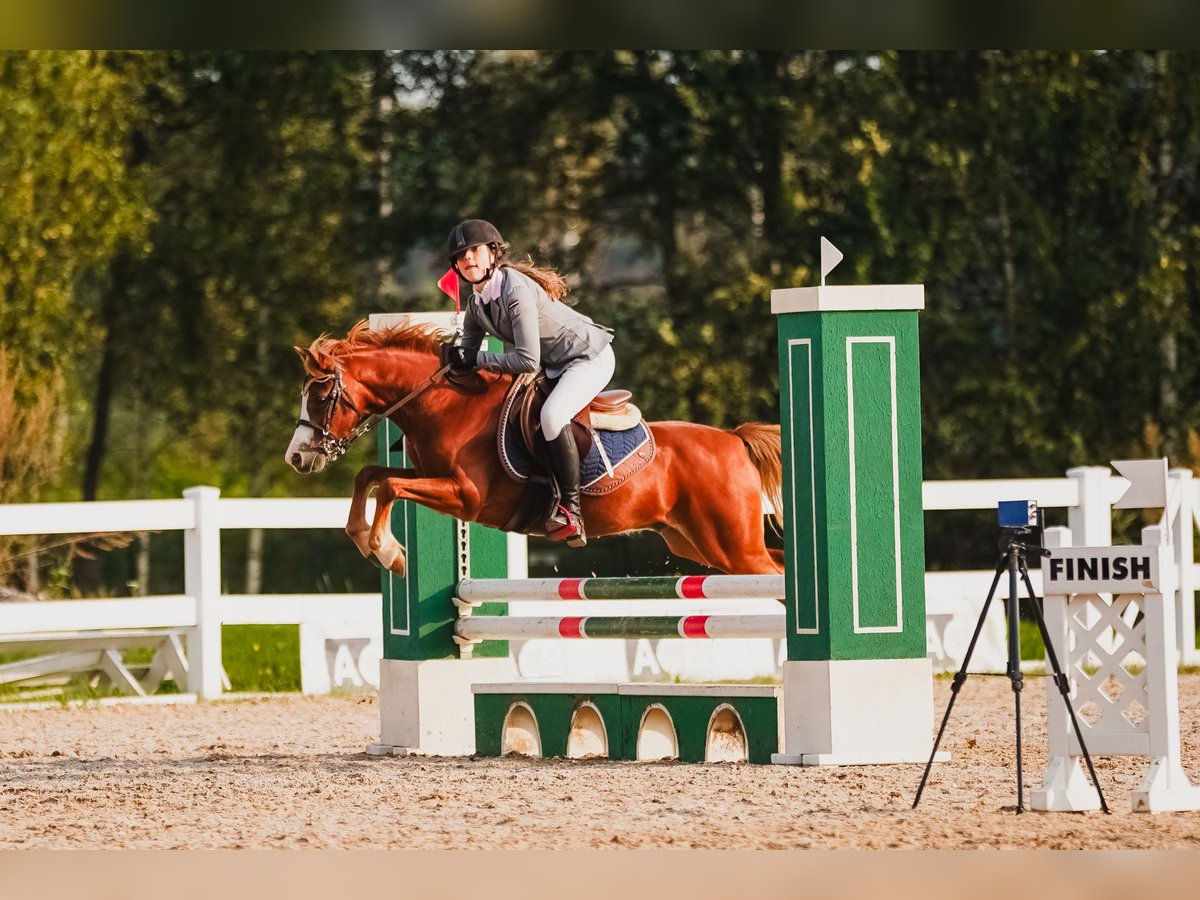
[567, 521]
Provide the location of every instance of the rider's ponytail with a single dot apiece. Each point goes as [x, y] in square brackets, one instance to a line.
[551, 282]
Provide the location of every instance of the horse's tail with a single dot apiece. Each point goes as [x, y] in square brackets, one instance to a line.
[764, 444]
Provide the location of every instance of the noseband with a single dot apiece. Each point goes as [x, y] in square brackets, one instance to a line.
[331, 446]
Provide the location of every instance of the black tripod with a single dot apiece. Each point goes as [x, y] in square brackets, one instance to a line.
[1014, 560]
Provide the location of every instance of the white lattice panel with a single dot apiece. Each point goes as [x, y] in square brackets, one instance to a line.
[1106, 666]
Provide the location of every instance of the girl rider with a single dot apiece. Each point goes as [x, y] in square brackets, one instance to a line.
[515, 303]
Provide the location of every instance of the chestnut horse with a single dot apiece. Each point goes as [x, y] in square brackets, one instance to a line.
[702, 492]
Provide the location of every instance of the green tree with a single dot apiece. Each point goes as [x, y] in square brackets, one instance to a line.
[71, 203]
[256, 159]
[1043, 199]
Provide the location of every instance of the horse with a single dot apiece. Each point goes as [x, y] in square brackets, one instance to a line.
[702, 492]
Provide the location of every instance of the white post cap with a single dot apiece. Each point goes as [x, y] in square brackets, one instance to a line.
[848, 298]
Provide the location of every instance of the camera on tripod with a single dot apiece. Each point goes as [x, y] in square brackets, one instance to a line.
[1021, 522]
[1021, 527]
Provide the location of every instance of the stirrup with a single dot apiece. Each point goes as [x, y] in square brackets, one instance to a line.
[563, 525]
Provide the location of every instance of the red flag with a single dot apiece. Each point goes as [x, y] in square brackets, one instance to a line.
[449, 284]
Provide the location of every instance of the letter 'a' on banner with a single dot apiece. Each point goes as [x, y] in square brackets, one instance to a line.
[1147, 483]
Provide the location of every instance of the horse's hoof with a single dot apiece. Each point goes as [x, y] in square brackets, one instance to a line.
[393, 559]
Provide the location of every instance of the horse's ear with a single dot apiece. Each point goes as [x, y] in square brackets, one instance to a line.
[306, 359]
[315, 364]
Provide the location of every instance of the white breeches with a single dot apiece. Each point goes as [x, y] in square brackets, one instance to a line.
[578, 386]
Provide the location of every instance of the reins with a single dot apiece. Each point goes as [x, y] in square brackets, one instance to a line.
[333, 447]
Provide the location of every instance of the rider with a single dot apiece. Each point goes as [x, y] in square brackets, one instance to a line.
[513, 302]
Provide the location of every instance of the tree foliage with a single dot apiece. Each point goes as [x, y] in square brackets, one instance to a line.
[173, 222]
[70, 202]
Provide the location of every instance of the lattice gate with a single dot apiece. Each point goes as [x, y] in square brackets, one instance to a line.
[1120, 654]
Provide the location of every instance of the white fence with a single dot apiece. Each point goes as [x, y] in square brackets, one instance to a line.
[335, 627]
[334, 624]
[1088, 493]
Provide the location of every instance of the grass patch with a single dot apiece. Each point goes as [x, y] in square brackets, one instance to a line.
[257, 659]
[261, 658]
[1032, 646]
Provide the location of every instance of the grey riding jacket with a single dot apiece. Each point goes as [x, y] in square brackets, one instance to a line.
[540, 331]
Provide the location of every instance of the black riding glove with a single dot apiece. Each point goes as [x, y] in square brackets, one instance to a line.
[461, 359]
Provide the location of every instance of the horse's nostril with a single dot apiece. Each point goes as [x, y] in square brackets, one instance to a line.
[296, 460]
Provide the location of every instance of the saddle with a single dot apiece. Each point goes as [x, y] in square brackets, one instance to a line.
[612, 439]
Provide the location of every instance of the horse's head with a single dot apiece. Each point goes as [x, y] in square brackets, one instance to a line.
[330, 412]
[349, 384]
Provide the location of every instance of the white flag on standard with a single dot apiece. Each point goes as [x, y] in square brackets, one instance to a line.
[1147, 483]
[830, 257]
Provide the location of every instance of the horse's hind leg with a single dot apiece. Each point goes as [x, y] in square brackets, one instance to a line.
[681, 546]
[731, 560]
[730, 540]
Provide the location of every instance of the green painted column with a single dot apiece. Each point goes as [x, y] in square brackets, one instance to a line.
[418, 609]
[857, 683]
[850, 407]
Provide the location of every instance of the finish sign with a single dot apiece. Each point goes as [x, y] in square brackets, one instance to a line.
[1095, 570]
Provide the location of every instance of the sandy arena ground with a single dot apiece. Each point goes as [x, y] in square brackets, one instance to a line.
[290, 772]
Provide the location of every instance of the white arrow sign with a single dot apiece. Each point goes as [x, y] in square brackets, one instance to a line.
[830, 257]
[1147, 483]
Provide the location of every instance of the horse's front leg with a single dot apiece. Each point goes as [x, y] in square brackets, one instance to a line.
[357, 528]
[443, 495]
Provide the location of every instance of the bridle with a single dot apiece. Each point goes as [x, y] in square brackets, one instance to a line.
[332, 446]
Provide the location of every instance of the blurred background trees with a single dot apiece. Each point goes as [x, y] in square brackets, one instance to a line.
[172, 223]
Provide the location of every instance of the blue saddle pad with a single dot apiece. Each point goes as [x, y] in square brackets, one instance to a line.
[618, 445]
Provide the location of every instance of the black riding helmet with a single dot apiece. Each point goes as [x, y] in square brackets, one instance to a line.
[469, 233]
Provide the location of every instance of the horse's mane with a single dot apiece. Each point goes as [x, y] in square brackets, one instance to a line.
[422, 338]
